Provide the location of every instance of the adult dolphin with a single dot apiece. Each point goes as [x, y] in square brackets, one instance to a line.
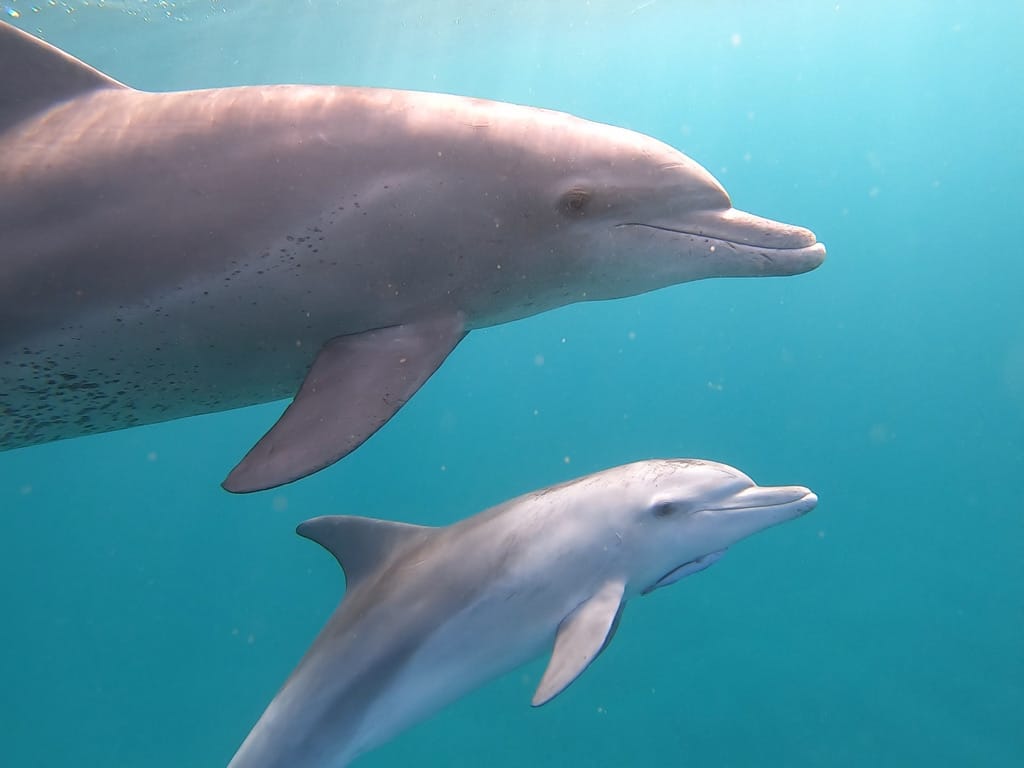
[432, 613]
[169, 254]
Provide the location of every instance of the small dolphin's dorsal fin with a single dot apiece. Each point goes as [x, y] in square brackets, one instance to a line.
[581, 637]
[360, 544]
[36, 75]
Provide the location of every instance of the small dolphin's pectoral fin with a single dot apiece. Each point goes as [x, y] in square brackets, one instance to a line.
[360, 544]
[581, 637]
[356, 384]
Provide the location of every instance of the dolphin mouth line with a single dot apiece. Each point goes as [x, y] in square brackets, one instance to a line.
[808, 498]
[738, 243]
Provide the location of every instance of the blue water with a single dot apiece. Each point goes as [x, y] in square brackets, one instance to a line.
[148, 616]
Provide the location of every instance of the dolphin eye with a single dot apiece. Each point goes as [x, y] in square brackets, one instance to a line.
[663, 508]
[574, 202]
[674, 508]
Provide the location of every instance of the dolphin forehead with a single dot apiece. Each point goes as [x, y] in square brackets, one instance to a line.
[634, 488]
[562, 141]
[658, 471]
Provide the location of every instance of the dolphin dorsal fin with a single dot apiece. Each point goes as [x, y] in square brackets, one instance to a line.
[36, 76]
[360, 544]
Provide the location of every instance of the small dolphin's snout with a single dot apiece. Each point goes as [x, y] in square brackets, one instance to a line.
[794, 499]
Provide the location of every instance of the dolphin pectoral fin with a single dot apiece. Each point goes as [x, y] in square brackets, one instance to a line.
[581, 637]
[355, 385]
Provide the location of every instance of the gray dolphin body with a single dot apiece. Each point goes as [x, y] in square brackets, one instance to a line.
[170, 254]
[431, 613]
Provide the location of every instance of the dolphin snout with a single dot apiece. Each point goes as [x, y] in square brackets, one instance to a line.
[787, 248]
[746, 245]
[742, 228]
[793, 498]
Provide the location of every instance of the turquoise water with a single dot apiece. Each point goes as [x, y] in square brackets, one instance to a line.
[148, 616]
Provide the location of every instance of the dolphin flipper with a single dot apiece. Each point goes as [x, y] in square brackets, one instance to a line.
[355, 385]
[581, 637]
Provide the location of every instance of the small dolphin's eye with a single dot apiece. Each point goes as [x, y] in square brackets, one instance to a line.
[663, 509]
[574, 202]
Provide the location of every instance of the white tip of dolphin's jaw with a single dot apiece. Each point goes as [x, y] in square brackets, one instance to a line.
[801, 500]
[813, 256]
[808, 502]
[785, 262]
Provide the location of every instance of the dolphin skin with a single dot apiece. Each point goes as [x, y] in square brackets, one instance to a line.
[170, 254]
[432, 613]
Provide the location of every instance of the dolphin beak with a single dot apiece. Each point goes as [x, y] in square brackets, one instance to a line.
[742, 228]
[741, 244]
[784, 248]
[772, 504]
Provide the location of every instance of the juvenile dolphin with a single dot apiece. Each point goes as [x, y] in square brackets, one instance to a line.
[170, 254]
[431, 613]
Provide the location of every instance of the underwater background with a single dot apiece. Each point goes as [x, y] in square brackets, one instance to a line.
[148, 617]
